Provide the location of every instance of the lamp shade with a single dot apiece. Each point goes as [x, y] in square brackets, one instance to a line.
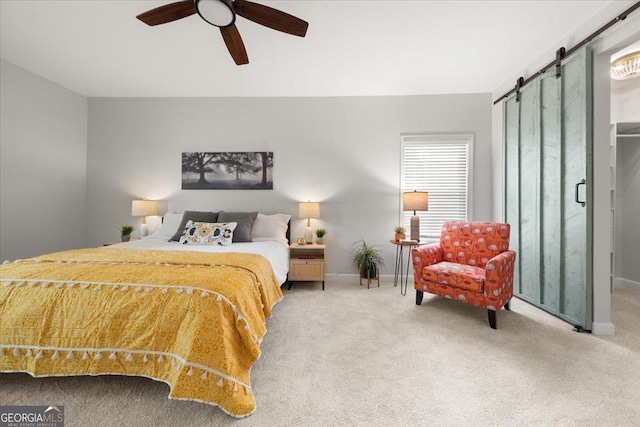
[144, 208]
[415, 201]
[309, 210]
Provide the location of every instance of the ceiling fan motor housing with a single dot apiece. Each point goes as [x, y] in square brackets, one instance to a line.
[222, 14]
[216, 12]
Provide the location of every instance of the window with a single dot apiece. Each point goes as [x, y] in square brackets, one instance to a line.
[441, 166]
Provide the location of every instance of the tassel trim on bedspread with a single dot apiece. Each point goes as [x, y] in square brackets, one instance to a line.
[189, 369]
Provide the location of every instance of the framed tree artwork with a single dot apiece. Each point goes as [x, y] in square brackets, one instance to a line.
[246, 170]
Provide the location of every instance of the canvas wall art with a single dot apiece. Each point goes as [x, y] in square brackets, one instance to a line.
[247, 170]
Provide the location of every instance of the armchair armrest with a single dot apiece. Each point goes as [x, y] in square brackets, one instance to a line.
[423, 256]
[498, 281]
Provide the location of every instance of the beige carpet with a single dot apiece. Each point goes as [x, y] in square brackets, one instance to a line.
[349, 356]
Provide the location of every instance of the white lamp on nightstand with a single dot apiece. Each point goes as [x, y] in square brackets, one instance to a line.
[309, 210]
[144, 208]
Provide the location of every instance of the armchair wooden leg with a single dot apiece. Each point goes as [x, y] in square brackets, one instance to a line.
[507, 306]
[419, 295]
[492, 318]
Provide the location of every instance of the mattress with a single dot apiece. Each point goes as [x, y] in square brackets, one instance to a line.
[274, 250]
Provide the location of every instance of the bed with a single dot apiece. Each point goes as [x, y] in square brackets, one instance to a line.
[190, 315]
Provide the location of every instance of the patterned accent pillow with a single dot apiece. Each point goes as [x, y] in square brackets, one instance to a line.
[194, 216]
[208, 233]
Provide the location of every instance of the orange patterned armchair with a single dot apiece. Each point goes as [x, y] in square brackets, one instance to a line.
[472, 263]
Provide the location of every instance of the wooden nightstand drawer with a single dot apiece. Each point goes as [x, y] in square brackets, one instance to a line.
[306, 269]
[306, 263]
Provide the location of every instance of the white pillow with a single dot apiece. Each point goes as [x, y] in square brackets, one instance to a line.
[270, 226]
[170, 224]
[208, 233]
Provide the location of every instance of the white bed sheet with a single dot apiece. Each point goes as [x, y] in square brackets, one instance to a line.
[277, 252]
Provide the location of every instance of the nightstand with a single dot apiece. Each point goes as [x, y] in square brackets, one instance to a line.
[306, 263]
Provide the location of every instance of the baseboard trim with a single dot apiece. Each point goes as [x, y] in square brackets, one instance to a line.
[601, 328]
[357, 276]
[625, 283]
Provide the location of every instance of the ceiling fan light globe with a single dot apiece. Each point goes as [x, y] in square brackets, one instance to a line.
[216, 12]
[626, 67]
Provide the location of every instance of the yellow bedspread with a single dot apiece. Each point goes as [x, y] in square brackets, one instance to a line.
[193, 320]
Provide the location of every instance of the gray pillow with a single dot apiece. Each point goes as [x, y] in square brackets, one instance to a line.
[245, 220]
[194, 216]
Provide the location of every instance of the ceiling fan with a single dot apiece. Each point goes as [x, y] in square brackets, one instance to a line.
[222, 14]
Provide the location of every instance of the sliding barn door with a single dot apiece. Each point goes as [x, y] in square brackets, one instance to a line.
[548, 191]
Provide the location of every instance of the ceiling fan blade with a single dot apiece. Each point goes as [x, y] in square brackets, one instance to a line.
[168, 13]
[270, 17]
[234, 43]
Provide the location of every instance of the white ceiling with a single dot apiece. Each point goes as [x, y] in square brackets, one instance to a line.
[98, 49]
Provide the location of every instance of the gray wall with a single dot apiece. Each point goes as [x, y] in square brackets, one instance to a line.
[43, 152]
[628, 212]
[625, 100]
[342, 152]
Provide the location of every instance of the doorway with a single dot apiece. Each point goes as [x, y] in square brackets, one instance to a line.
[625, 177]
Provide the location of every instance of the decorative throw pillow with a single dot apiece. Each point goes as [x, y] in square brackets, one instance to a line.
[270, 227]
[245, 223]
[194, 216]
[208, 233]
[170, 223]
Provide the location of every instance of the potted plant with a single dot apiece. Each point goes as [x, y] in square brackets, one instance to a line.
[320, 232]
[366, 259]
[125, 232]
[400, 233]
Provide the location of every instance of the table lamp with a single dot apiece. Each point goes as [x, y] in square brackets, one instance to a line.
[415, 201]
[144, 208]
[309, 210]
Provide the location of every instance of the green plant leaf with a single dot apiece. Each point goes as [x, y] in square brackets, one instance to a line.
[126, 230]
[365, 257]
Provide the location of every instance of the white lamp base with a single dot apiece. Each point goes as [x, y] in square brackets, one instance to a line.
[415, 227]
[308, 236]
[144, 231]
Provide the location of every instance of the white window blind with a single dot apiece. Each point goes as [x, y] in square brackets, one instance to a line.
[439, 165]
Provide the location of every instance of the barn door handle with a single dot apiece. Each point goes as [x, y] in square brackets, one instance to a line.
[583, 182]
